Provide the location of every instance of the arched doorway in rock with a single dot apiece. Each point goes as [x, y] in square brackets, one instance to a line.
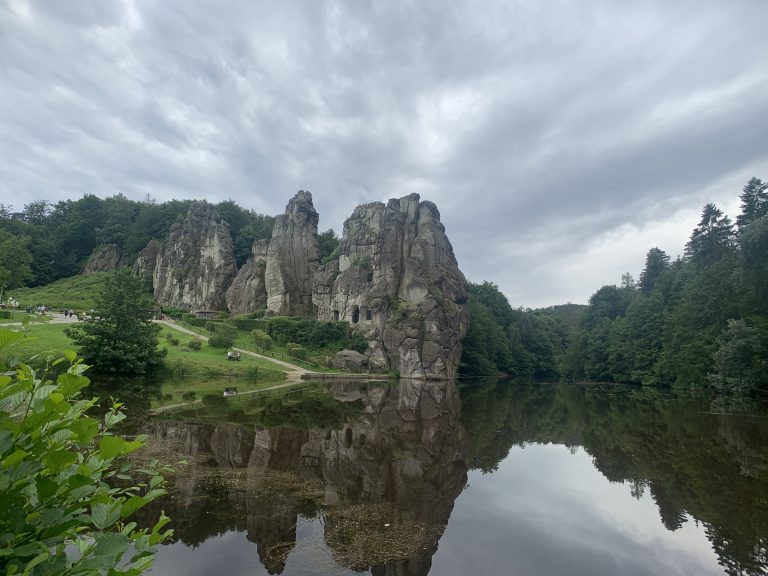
[355, 315]
[335, 315]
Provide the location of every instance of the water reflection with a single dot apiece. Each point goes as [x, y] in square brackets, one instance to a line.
[695, 463]
[379, 464]
[364, 477]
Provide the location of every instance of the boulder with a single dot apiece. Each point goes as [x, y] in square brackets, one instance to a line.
[105, 259]
[292, 258]
[196, 264]
[350, 360]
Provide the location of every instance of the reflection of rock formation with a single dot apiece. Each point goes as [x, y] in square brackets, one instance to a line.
[405, 454]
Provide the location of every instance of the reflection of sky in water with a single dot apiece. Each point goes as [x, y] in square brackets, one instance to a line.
[232, 555]
[547, 512]
[544, 512]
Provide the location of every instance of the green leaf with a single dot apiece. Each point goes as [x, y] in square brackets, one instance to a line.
[6, 441]
[85, 428]
[16, 457]
[8, 337]
[111, 446]
[105, 515]
[71, 383]
[131, 505]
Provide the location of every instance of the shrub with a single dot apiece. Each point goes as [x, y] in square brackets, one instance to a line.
[5, 314]
[57, 479]
[195, 344]
[296, 350]
[262, 339]
[222, 334]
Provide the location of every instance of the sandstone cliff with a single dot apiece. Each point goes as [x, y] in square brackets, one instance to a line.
[248, 291]
[398, 281]
[196, 265]
[105, 259]
[292, 259]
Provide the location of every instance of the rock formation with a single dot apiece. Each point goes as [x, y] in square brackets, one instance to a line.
[292, 259]
[248, 291]
[398, 281]
[396, 278]
[105, 259]
[196, 265]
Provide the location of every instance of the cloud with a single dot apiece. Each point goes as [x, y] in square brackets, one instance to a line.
[559, 140]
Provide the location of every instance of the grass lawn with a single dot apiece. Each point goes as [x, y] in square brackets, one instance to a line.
[181, 361]
[212, 361]
[19, 315]
[42, 339]
[77, 292]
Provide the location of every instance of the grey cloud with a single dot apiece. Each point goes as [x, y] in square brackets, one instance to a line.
[524, 121]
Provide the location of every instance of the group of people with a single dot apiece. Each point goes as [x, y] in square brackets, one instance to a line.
[69, 313]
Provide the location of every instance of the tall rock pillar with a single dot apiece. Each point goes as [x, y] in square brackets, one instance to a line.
[292, 259]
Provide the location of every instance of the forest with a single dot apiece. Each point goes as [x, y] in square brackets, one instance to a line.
[700, 321]
[44, 242]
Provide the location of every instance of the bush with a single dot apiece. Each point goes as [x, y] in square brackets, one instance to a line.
[262, 339]
[57, 479]
[195, 344]
[296, 350]
[222, 335]
[5, 314]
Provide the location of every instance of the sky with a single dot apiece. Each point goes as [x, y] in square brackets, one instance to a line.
[560, 140]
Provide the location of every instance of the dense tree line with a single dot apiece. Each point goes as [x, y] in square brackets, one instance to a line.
[700, 321]
[516, 342]
[67, 232]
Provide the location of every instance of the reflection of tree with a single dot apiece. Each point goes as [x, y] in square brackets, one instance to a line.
[693, 462]
[392, 457]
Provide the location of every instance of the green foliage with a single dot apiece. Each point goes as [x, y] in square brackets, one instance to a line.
[312, 334]
[328, 245]
[697, 322]
[262, 339]
[15, 260]
[121, 338]
[59, 479]
[712, 238]
[516, 342]
[195, 344]
[245, 226]
[741, 361]
[296, 350]
[222, 334]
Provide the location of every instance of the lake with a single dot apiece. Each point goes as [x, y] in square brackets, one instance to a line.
[414, 478]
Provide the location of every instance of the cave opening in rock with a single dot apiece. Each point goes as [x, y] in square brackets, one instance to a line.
[355, 315]
[368, 314]
[335, 315]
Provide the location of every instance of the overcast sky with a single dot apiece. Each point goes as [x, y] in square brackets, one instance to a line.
[559, 139]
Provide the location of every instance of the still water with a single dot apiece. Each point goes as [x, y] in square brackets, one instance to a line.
[415, 478]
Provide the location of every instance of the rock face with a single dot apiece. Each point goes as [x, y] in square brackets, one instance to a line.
[398, 281]
[147, 260]
[248, 291]
[196, 264]
[105, 259]
[292, 259]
